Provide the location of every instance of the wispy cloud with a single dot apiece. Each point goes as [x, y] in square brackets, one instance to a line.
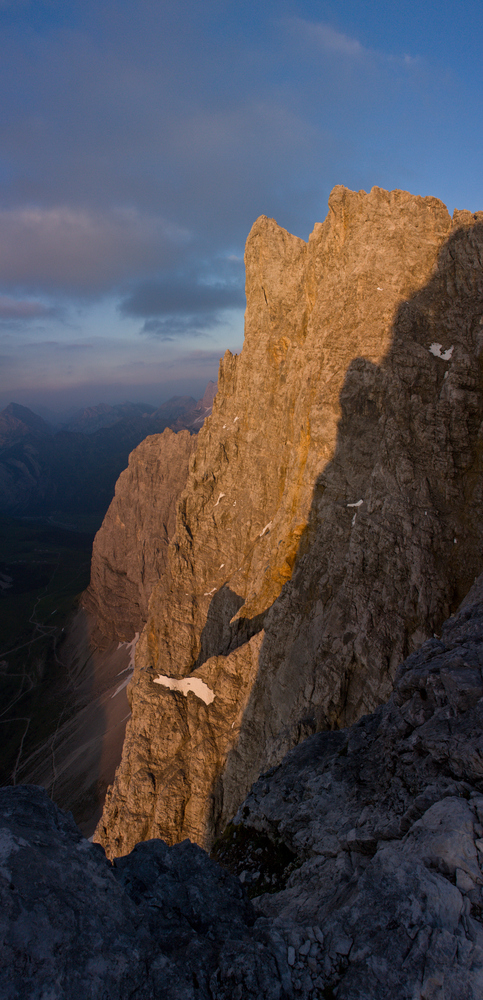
[181, 294]
[82, 251]
[186, 303]
[323, 38]
[335, 41]
[59, 346]
[198, 357]
[17, 309]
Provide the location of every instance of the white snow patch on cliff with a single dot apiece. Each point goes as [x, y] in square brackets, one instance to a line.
[185, 684]
[220, 498]
[266, 528]
[358, 504]
[130, 648]
[121, 686]
[436, 350]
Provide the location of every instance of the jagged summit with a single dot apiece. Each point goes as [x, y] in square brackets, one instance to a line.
[331, 518]
[16, 421]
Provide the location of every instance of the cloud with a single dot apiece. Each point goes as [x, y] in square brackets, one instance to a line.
[172, 327]
[58, 345]
[184, 304]
[81, 251]
[14, 309]
[320, 37]
[334, 41]
[183, 294]
[139, 144]
[198, 357]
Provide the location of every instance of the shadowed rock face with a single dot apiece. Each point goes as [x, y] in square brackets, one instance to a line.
[383, 823]
[362, 850]
[332, 514]
[130, 549]
[165, 922]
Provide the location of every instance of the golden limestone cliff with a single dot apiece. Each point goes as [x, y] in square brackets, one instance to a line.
[130, 549]
[331, 518]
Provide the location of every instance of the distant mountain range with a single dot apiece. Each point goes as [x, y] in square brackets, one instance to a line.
[68, 475]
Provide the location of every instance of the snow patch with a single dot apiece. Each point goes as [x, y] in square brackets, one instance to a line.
[436, 350]
[235, 420]
[123, 685]
[220, 498]
[266, 528]
[130, 648]
[358, 504]
[185, 684]
[208, 593]
[354, 519]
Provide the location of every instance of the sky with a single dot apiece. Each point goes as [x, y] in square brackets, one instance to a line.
[139, 141]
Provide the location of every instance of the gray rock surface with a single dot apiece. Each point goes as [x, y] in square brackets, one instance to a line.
[382, 824]
[333, 512]
[162, 923]
[362, 852]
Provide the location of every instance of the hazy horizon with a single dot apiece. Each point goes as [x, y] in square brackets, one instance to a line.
[85, 396]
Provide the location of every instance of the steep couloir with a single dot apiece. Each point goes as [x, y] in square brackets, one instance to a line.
[332, 514]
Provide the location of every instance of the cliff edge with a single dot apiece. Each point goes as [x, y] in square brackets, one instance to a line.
[130, 549]
[331, 519]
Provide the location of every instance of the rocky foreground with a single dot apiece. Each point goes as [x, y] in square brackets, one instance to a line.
[363, 851]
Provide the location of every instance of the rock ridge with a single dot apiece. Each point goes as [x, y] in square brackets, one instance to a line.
[331, 518]
[383, 895]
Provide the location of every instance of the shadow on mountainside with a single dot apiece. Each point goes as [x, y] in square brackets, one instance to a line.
[73, 722]
[394, 536]
[221, 635]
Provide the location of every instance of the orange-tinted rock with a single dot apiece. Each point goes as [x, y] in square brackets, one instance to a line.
[129, 552]
[334, 500]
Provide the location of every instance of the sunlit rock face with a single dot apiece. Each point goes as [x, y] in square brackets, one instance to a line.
[332, 513]
[77, 759]
[130, 549]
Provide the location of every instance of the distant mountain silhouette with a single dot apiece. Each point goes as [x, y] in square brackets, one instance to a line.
[69, 474]
[17, 421]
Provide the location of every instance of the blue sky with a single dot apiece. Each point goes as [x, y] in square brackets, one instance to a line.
[139, 141]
